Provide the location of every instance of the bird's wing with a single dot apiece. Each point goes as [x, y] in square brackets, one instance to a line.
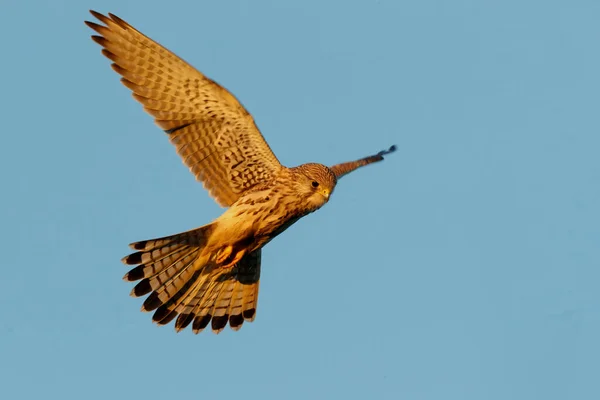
[342, 169]
[213, 133]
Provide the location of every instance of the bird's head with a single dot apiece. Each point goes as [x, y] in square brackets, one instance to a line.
[315, 184]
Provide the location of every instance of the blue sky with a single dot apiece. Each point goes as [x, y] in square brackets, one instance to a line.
[465, 266]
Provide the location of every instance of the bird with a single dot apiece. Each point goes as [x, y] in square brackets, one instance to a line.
[210, 275]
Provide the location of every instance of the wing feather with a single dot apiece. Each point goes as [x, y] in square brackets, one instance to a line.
[213, 133]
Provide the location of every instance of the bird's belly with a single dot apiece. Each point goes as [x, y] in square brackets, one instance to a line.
[254, 227]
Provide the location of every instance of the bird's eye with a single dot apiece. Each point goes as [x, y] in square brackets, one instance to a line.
[315, 184]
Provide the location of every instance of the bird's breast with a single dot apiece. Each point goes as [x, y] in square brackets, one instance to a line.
[260, 215]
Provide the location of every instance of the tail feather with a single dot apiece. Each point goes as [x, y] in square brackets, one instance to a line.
[189, 237]
[250, 302]
[165, 275]
[218, 299]
[183, 320]
[186, 294]
[166, 290]
[164, 260]
[201, 291]
[165, 318]
[159, 254]
[186, 284]
[223, 299]
[185, 308]
[168, 282]
[153, 255]
[158, 265]
[221, 311]
[235, 307]
[219, 319]
[200, 322]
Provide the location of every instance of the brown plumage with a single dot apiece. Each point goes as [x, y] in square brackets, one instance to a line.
[210, 275]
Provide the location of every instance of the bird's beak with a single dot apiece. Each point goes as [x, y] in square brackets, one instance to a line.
[325, 193]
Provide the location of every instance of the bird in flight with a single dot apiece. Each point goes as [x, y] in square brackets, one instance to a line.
[211, 274]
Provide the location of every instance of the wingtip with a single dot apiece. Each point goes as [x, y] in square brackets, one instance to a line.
[99, 39]
[99, 16]
[388, 151]
[115, 18]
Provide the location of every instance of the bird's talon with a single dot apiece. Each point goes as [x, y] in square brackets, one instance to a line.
[224, 254]
[238, 256]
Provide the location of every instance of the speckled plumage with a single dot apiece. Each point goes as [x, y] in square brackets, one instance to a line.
[211, 274]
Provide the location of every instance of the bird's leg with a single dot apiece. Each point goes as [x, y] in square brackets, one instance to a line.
[227, 258]
[236, 258]
[224, 254]
[231, 254]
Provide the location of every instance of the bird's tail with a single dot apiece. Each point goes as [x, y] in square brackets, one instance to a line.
[183, 281]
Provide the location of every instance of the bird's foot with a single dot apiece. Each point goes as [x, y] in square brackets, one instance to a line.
[227, 258]
[224, 254]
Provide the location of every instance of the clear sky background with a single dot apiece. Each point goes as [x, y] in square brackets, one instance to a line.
[465, 266]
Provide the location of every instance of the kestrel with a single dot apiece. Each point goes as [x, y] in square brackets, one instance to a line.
[211, 274]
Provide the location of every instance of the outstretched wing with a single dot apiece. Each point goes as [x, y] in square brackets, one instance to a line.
[213, 133]
[342, 169]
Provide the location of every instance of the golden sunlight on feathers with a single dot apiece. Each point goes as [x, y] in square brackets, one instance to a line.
[210, 275]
